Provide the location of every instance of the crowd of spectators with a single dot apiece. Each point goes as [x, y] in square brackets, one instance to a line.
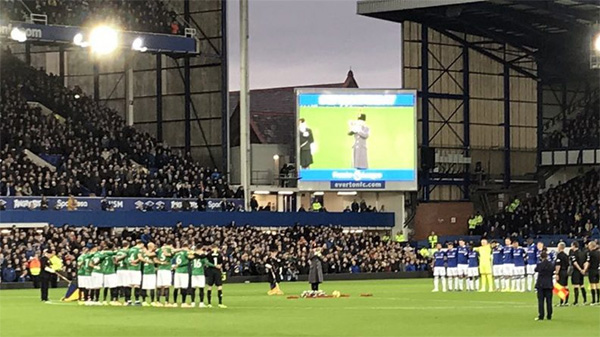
[244, 248]
[146, 16]
[572, 209]
[581, 131]
[97, 152]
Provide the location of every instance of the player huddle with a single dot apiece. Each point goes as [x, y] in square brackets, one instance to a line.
[147, 272]
[511, 266]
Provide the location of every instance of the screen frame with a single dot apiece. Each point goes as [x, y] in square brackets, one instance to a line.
[326, 185]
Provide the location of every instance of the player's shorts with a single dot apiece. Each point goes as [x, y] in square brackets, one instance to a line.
[463, 269]
[149, 281]
[485, 269]
[213, 277]
[198, 281]
[163, 278]
[577, 278]
[83, 281]
[530, 269]
[452, 272]
[123, 278]
[135, 277]
[594, 276]
[96, 280]
[508, 269]
[473, 272]
[110, 281]
[519, 271]
[439, 271]
[498, 270]
[182, 280]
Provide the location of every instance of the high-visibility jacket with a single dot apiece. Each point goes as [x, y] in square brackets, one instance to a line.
[35, 266]
[433, 239]
[400, 237]
[316, 206]
[472, 223]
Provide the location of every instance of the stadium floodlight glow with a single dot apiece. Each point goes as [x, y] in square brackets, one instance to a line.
[78, 40]
[285, 192]
[597, 43]
[138, 44]
[262, 192]
[103, 40]
[347, 193]
[18, 35]
[319, 193]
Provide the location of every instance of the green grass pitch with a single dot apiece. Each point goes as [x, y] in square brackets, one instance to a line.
[397, 308]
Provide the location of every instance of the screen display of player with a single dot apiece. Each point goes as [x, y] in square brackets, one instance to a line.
[356, 139]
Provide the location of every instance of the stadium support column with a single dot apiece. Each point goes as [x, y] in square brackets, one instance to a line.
[506, 78]
[96, 70]
[466, 120]
[129, 114]
[188, 103]
[224, 92]
[540, 121]
[28, 53]
[61, 64]
[186, 84]
[245, 158]
[159, 98]
[425, 105]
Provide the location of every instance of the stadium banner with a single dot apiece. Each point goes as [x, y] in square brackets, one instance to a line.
[119, 204]
[356, 139]
[65, 34]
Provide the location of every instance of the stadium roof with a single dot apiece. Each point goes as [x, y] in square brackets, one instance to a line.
[545, 28]
[273, 112]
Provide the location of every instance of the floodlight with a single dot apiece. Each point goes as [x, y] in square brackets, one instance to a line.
[138, 44]
[103, 40]
[18, 35]
[597, 43]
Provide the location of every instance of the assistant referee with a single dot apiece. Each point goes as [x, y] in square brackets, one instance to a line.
[561, 268]
[577, 258]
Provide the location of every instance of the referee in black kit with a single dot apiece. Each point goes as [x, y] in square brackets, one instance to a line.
[577, 258]
[592, 267]
[544, 286]
[562, 271]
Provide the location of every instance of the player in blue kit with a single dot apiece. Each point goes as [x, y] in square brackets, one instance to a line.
[497, 264]
[439, 270]
[507, 265]
[463, 263]
[532, 256]
[519, 268]
[452, 263]
[473, 271]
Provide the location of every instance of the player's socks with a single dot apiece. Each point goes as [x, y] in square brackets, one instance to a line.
[209, 296]
[576, 290]
[450, 281]
[490, 281]
[529, 284]
[167, 293]
[497, 283]
[193, 295]
[436, 281]
[220, 295]
[201, 295]
[105, 294]
[183, 295]
[443, 283]
[477, 284]
[152, 295]
[97, 295]
[522, 287]
[583, 294]
[175, 294]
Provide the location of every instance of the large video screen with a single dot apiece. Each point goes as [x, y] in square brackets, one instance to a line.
[356, 139]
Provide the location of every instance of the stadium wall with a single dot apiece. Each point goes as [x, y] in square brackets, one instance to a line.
[447, 218]
[486, 102]
[205, 86]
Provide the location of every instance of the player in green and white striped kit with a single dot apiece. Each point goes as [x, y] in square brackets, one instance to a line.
[97, 277]
[109, 275]
[149, 275]
[123, 271]
[198, 280]
[164, 274]
[135, 272]
[83, 277]
[182, 276]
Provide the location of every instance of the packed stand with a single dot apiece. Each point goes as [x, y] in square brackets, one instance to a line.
[582, 131]
[571, 209]
[145, 16]
[245, 249]
[95, 151]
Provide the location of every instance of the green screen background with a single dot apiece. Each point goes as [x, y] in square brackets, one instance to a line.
[391, 142]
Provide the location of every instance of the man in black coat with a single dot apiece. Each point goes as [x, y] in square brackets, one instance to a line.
[544, 286]
[45, 274]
